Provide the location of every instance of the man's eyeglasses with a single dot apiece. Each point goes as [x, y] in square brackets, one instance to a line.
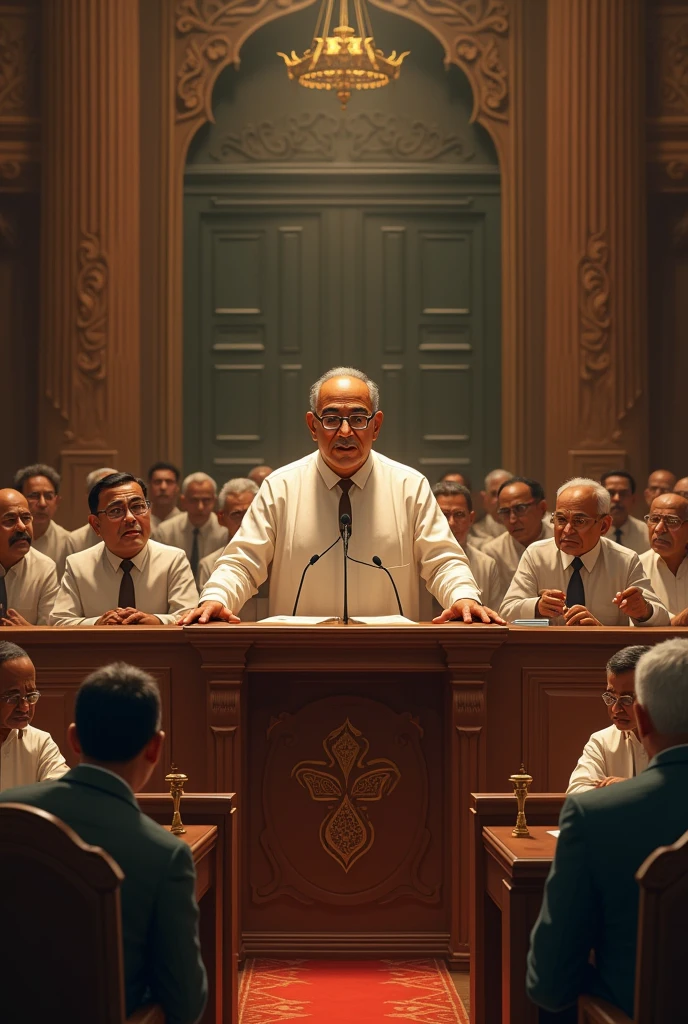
[16, 698]
[357, 421]
[517, 510]
[626, 699]
[10, 521]
[578, 522]
[671, 522]
[137, 508]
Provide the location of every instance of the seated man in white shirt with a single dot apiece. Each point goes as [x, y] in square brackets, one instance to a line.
[625, 530]
[27, 755]
[233, 503]
[666, 563]
[85, 536]
[457, 505]
[490, 527]
[343, 491]
[521, 508]
[197, 530]
[28, 579]
[128, 579]
[579, 577]
[40, 485]
[615, 753]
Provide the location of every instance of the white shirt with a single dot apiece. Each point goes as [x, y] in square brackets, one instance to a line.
[56, 543]
[483, 532]
[156, 521]
[609, 753]
[256, 608]
[83, 538]
[634, 535]
[163, 584]
[607, 570]
[178, 531]
[30, 755]
[506, 551]
[32, 587]
[486, 574]
[296, 515]
[671, 590]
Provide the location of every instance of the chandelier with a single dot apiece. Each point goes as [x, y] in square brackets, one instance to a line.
[345, 60]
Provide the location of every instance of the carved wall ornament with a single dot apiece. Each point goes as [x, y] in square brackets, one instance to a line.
[18, 66]
[670, 67]
[91, 295]
[323, 137]
[468, 702]
[346, 832]
[595, 357]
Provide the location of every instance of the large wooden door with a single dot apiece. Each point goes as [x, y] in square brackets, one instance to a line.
[281, 284]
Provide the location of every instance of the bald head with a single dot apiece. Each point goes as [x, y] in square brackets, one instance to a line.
[682, 487]
[259, 473]
[668, 528]
[16, 527]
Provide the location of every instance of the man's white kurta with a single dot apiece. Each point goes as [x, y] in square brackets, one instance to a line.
[609, 753]
[671, 590]
[30, 755]
[296, 515]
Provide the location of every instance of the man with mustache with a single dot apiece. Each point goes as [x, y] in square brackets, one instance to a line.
[626, 529]
[28, 579]
[297, 514]
[666, 563]
[615, 753]
[127, 579]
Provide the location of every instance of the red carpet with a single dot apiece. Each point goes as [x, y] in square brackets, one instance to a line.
[349, 992]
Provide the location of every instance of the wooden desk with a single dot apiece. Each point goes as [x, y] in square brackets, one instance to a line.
[515, 875]
[445, 710]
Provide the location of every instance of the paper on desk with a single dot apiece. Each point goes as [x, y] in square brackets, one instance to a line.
[360, 620]
[553, 832]
[298, 620]
[382, 620]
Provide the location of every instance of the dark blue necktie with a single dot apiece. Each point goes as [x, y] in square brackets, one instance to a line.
[575, 592]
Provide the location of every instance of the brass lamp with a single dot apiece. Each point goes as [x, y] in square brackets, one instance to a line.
[346, 59]
[521, 781]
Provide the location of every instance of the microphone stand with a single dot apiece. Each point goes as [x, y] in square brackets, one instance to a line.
[377, 564]
[345, 526]
[311, 561]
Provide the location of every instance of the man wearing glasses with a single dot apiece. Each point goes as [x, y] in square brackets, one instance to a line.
[579, 577]
[128, 579]
[297, 514]
[666, 564]
[615, 753]
[28, 579]
[27, 755]
[520, 509]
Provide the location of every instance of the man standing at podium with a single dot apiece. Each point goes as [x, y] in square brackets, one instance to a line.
[297, 514]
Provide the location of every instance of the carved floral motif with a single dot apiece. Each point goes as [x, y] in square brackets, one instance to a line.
[18, 90]
[346, 833]
[670, 67]
[595, 334]
[323, 137]
[91, 295]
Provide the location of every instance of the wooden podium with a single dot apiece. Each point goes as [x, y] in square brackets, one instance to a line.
[353, 751]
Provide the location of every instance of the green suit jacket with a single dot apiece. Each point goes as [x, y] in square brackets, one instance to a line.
[591, 896]
[162, 955]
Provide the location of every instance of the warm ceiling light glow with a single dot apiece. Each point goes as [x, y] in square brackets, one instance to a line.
[348, 59]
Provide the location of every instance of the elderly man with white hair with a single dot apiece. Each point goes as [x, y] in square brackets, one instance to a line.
[591, 895]
[233, 504]
[491, 526]
[579, 577]
[197, 530]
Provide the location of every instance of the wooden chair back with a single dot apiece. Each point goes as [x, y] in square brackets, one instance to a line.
[661, 953]
[60, 942]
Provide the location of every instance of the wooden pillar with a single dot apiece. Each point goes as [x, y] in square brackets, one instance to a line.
[596, 273]
[89, 410]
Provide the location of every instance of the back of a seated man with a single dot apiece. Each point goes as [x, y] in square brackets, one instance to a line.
[117, 736]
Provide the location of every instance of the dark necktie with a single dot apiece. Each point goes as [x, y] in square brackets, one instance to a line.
[194, 559]
[3, 597]
[345, 501]
[617, 535]
[575, 592]
[127, 597]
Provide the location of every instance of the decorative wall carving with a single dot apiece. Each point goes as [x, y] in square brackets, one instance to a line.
[91, 297]
[320, 137]
[18, 65]
[669, 64]
[595, 335]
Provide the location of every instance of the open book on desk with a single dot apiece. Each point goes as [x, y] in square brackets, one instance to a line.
[357, 620]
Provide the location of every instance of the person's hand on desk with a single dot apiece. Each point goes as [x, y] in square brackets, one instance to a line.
[578, 615]
[608, 781]
[551, 604]
[681, 619]
[127, 617]
[469, 611]
[632, 603]
[209, 611]
[13, 618]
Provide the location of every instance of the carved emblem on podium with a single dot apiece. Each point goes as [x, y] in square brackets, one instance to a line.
[348, 783]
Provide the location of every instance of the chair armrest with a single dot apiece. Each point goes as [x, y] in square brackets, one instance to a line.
[592, 1010]
[151, 1014]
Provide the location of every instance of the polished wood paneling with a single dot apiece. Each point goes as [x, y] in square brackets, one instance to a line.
[353, 752]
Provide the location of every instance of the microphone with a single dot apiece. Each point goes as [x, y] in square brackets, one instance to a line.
[376, 563]
[345, 529]
[311, 561]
